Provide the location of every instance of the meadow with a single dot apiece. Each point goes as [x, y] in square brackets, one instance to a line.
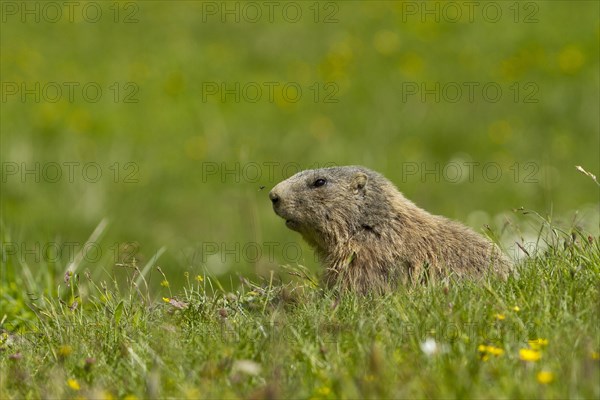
[532, 336]
[140, 254]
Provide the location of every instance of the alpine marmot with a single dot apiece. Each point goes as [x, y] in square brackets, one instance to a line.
[370, 237]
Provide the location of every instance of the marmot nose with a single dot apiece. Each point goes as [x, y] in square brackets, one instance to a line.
[274, 197]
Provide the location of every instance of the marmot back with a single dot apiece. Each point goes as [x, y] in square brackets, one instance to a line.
[370, 237]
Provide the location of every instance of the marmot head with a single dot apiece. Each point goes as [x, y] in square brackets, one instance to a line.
[330, 205]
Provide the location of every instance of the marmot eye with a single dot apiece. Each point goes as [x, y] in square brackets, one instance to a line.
[319, 182]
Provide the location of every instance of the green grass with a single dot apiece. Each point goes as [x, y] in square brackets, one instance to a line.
[89, 338]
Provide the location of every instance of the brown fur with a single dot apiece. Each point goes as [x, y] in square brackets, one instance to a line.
[370, 237]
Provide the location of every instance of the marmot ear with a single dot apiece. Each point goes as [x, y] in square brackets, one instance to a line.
[359, 182]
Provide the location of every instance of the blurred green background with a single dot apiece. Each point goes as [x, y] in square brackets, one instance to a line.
[201, 104]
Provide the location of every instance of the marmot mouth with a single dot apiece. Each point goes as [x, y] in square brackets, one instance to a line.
[290, 223]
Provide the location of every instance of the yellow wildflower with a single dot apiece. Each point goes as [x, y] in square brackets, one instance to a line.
[73, 384]
[595, 355]
[191, 393]
[65, 350]
[166, 299]
[529, 355]
[324, 390]
[369, 378]
[537, 344]
[130, 397]
[500, 317]
[545, 377]
[486, 351]
[516, 309]
[164, 283]
[199, 278]
[106, 395]
[570, 59]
